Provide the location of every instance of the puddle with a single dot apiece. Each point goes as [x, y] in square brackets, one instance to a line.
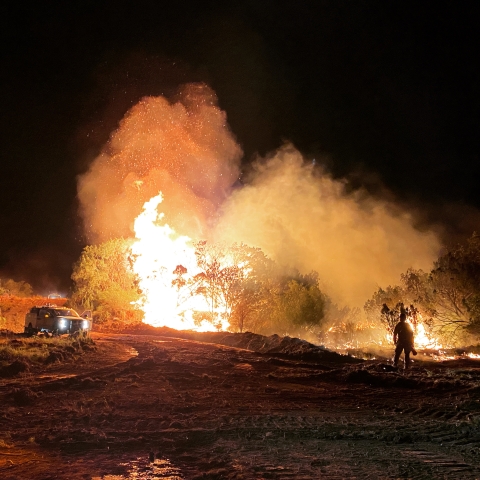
[140, 469]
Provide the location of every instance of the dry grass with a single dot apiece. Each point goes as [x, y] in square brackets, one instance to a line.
[36, 349]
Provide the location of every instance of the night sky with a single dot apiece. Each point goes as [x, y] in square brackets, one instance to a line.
[386, 94]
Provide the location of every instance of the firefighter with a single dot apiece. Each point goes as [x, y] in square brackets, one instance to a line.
[403, 339]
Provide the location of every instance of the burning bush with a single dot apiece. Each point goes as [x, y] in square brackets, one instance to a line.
[216, 287]
[445, 302]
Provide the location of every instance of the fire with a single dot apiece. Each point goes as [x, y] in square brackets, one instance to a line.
[423, 340]
[157, 252]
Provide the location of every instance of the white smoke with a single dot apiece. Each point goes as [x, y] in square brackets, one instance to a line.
[303, 218]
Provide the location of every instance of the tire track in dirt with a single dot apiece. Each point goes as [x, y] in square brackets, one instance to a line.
[284, 434]
[219, 412]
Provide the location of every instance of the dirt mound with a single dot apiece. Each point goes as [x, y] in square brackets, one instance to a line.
[373, 377]
[305, 351]
[295, 348]
[248, 340]
[387, 376]
[16, 367]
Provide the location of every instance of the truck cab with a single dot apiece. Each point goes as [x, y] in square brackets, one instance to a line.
[56, 320]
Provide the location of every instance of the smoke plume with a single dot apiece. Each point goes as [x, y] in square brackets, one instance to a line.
[296, 213]
[301, 217]
[183, 148]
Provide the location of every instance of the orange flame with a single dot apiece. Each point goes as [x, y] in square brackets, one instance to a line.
[157, 252]
[422, 338]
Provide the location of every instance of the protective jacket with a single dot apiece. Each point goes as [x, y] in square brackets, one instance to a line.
[404, 334]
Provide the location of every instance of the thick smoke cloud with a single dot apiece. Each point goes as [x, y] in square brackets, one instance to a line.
[303, 218]
[183, 148]
[296, 213]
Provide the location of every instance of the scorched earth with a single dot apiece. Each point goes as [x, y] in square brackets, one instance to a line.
[236, 406]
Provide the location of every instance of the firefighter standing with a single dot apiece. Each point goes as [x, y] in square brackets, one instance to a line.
[403, 339]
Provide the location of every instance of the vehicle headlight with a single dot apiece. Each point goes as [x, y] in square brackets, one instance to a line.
[62, 323]
[86, 324]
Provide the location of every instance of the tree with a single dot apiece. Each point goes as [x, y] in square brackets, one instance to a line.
[446, 300]
[409, 297]
[211, 261]
[105, 282]
[229, 280]
[250, 313]
[183, 286]
[294, 304]
[18, 289]
[454, 296]
[249, 290]
[249, 297]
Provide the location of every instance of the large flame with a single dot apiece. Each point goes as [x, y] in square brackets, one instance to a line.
[424, 340]
[157, 253]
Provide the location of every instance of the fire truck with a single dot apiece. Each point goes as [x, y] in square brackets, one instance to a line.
[55, 320]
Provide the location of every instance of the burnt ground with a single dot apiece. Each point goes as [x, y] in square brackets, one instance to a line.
[160, 407]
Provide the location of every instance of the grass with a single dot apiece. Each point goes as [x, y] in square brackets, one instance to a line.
[36, 349]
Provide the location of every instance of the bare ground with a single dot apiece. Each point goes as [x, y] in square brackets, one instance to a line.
[160, 407]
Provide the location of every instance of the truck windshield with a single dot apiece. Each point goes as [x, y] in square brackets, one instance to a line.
[64, 312]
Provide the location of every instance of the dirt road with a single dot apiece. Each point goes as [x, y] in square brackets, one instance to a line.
[151, 407]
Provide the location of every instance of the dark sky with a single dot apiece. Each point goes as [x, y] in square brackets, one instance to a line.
[387, 92]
